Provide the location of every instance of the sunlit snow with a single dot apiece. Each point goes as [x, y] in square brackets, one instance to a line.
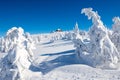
[64, 55]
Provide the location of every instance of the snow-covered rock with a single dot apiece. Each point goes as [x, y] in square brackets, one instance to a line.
[97, 50]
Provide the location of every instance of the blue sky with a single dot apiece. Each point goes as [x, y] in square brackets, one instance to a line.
[40, 16]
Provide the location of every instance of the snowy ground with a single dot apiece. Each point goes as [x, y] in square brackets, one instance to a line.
[53, 55]
[57, 61]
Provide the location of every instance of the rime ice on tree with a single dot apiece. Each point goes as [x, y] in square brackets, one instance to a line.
[98, 51]
[115, 37]
[19, 56]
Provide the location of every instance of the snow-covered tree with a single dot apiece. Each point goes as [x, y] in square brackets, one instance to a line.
[116, 25]
[76, 29]
[76, 35]
[19, 56]
[2, 43]
[68, 35]
[57, 36]
[98, 50]
[115, 37]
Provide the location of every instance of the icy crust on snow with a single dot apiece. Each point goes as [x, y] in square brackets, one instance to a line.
[19, 56]
[98, 50]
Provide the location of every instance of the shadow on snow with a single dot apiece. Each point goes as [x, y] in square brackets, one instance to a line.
[65, 52]
[66, 58]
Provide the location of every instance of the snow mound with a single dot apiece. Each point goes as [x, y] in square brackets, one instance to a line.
[98, 50]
